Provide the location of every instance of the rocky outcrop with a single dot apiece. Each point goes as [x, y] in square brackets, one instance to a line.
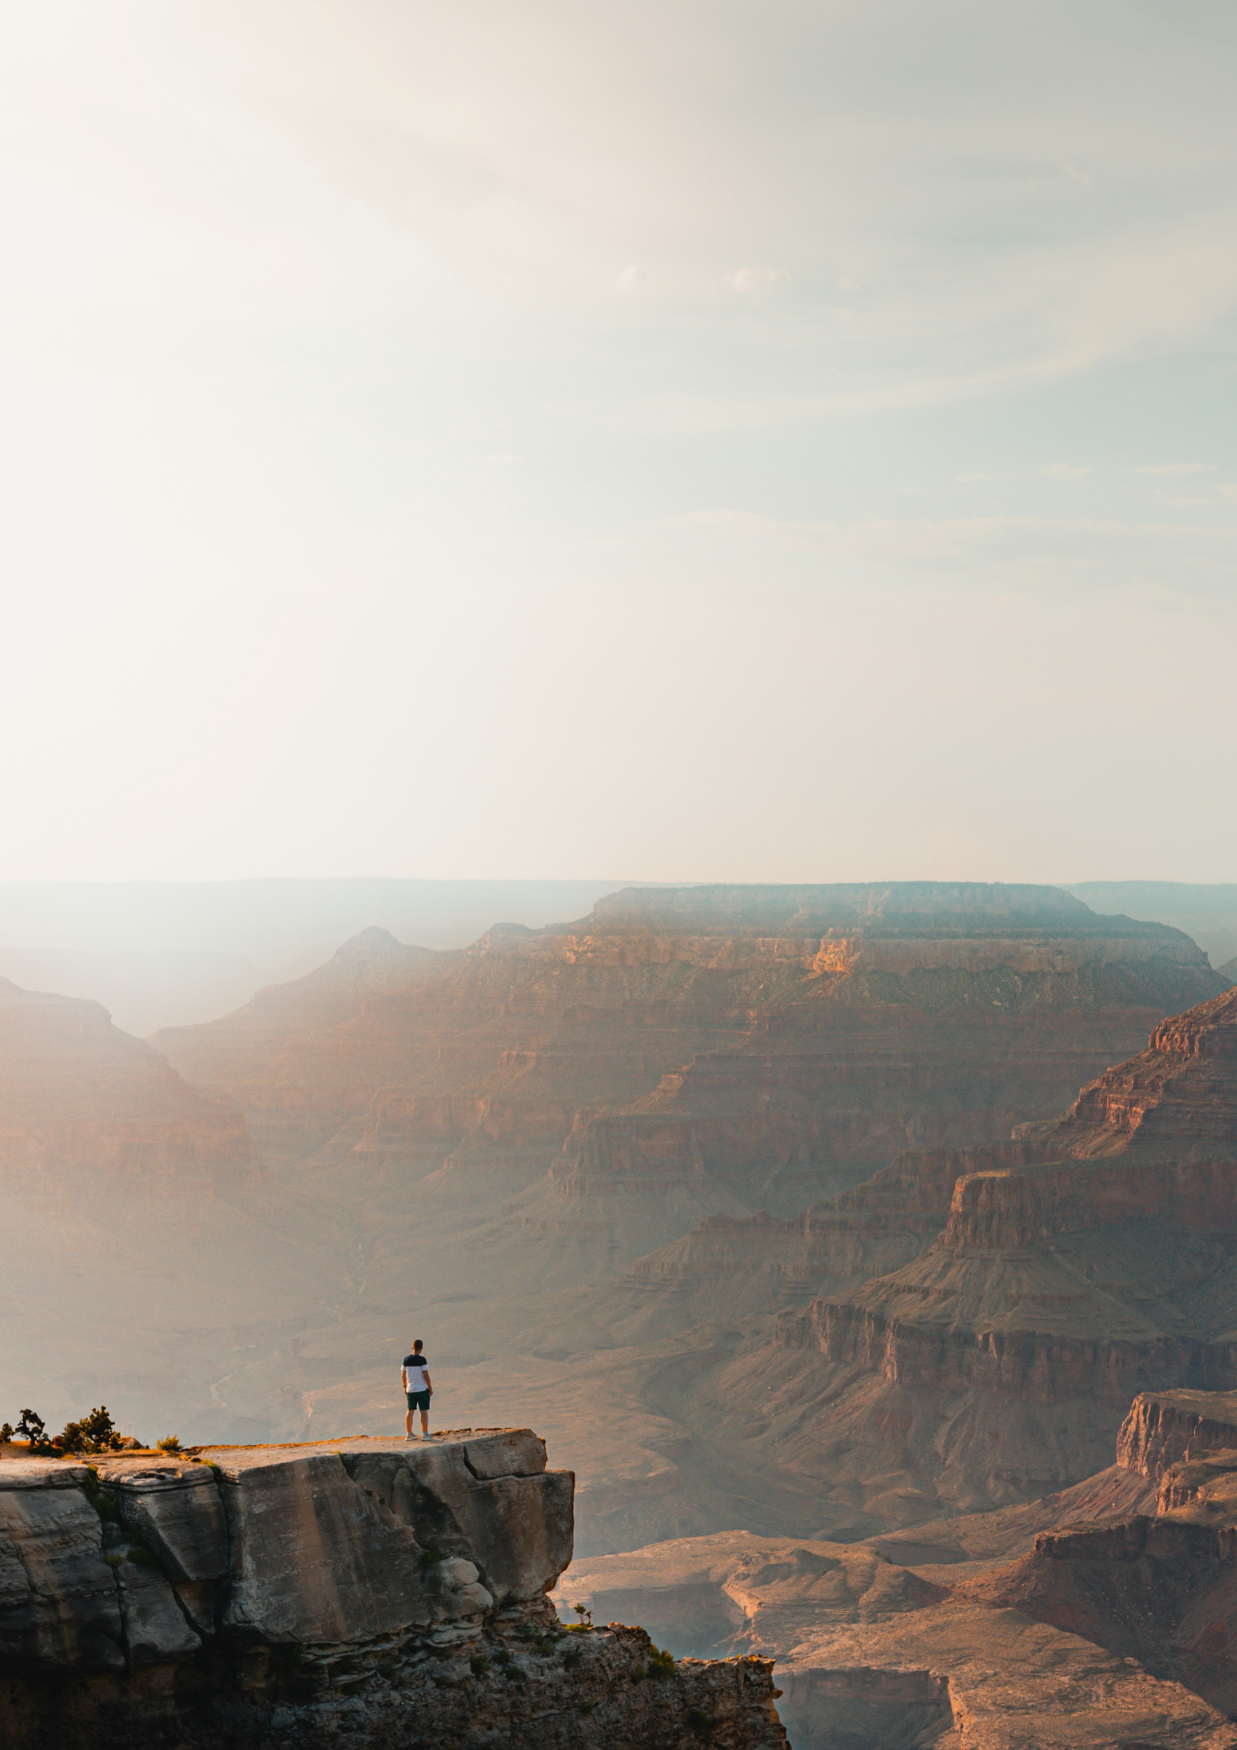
[392, 1591]
[75, 1092]
[760, 1261]
[1100, 1632]
[1163, 1428]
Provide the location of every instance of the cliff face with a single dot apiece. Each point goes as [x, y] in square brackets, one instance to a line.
[1093, 1618]
[76, 1092]
[1101, 1265]
[688, 1052]
[397, 1590]
[1163, 1428]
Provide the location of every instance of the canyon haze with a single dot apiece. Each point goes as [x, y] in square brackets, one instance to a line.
[777, 1210]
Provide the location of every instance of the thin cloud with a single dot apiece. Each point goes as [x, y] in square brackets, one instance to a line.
[746, 280]
[1175, 470]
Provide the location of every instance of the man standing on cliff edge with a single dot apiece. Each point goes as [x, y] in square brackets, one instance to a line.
[417, 1389]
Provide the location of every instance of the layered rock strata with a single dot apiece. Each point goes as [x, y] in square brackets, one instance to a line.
[1080, 1264]
[1163, 1428]
[696, 1051]
[1113, 1625]
[394, 1593]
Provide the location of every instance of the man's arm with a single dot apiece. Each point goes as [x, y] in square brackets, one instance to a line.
[429, 1388]
[403, 1377]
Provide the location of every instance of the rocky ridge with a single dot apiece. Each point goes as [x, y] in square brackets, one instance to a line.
[77, 1093]
[693, 1051]
[369, 1592]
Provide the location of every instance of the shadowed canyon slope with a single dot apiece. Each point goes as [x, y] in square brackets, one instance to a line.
[1046, 1282]
[1103, 1616]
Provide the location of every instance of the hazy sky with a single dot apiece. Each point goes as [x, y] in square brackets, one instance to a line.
[735, 440]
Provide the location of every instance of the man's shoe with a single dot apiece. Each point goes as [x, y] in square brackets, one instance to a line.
[409, 1436]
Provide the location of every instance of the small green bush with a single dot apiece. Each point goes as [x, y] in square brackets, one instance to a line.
[478, 1664]
[585, 1615]
[103, 1503]
[514, 1670]
[697, 1721]
[661, 1665]
[168, 1443]
[142, 1556]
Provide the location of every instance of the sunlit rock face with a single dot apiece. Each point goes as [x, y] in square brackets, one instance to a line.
[1100, 1265]
[687, 1052]
[223, 1596]
[75, 1092]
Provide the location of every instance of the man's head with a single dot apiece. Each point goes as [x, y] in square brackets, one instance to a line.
[417, 1345]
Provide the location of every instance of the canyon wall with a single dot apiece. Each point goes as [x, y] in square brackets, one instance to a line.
[1100, 1265]
[392, 1591]
[1093, 1618]
[1163, 1428]
[758, 1047]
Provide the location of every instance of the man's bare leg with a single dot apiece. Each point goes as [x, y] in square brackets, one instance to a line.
[408, 1422]
[425, 1424]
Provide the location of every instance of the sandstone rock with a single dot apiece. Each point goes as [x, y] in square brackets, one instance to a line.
[314, 1557]
[1163, 1427]
[340, 1621]
[58, 1600]
[173, 1509]
[153, 1624]
[487, 1493]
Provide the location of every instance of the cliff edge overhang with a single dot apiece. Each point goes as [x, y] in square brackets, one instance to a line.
[234, 1591]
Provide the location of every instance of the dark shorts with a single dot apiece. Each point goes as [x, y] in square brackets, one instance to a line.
[418, 1400]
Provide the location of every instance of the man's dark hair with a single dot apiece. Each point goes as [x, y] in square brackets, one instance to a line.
[417, 1343]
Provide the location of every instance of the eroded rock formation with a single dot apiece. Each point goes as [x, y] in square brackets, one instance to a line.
[371, 1592]
[1112, 1624]
[1101, 1265]
[688, 1052]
